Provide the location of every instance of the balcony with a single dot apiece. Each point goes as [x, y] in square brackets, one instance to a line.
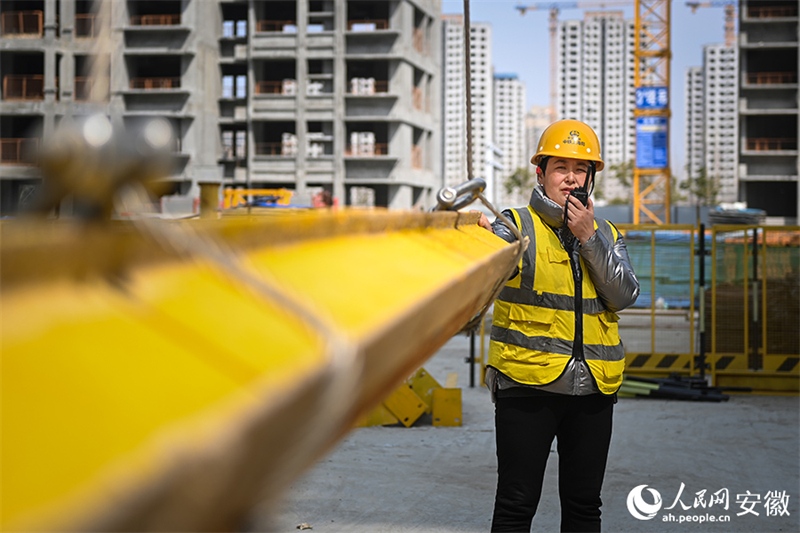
[23, 87]
[22, 23]
[755, 11]
[417, 99]
[171, 19]
[420, 44]
[19, 151]
[155, 84]
[368, 86]
[87, 89]
[376, 149]
[276, 26]
[769, 144]
[285, 87]
[87, 25]
[416, 157]
[275, 149]
[363, 25]
[771, 78]
[273, 140]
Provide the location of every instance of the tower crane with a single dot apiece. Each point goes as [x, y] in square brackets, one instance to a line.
[730, 16]
[554, 8]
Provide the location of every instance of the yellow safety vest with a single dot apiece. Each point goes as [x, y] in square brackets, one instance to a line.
[533, 328]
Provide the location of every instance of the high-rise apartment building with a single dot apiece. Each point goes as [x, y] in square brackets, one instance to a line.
[340, 95]
[509, 130]
[711, 121]
[482, 98]
[536, 121]
[595, 84]
[454, 114]
[720, 71]
[695, 147]
[768, 107]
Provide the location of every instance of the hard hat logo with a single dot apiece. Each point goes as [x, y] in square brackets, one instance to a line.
[574, 138]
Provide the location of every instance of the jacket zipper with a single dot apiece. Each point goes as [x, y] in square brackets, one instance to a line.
[577, 276]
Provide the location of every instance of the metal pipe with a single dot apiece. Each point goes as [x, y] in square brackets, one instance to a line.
[701, 251]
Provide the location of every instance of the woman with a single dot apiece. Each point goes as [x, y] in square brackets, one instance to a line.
[555, 356]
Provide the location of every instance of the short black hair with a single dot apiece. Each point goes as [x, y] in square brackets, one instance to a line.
[543, 163]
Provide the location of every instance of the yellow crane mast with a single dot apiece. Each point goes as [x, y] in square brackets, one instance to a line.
[652, 53]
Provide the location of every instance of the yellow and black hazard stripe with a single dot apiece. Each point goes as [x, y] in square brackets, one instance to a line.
[658, 362]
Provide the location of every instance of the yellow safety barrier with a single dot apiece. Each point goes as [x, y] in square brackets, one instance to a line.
[418, 395]
[660, 331]
[170, 375]
[755, 307]
[750, 305]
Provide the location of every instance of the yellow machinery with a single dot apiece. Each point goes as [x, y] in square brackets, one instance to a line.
[239, 197]
[167, 375]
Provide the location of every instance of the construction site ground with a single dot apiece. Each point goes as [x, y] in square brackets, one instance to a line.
[442, 479]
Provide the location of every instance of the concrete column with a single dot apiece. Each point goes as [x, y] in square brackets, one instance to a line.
[201, 75]
[50, 38]
[301, 127]
[400, 197]
[118, 12]
[67, 75]
[251, 139]
[67, 20]
[340, 84]
[50, 21]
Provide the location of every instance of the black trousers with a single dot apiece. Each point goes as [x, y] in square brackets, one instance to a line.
[525, 427]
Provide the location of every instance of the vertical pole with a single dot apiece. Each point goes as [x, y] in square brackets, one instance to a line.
[472, 359]
[653, 291]
[468, 86]
[713, 304]
[701, 251]
[756, 330]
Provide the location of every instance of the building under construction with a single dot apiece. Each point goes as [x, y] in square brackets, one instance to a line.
[307, 95]
[769, 120]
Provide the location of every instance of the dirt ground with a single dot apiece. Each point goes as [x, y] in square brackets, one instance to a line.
[434, 479]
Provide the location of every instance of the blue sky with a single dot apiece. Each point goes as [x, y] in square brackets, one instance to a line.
[521, 46]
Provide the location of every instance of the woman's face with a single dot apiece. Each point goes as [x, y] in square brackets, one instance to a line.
[562, 175]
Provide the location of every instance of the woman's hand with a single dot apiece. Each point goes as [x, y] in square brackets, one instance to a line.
[484, 221]
[580, 219]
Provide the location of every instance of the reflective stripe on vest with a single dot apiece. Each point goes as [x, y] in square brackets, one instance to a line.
[534, 321]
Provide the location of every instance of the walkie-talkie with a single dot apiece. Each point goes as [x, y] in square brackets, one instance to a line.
[581, 194]
[583, 197]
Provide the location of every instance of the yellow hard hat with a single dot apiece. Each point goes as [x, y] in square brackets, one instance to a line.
[569, 138]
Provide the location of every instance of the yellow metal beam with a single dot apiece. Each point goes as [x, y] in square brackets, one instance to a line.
[168, 376]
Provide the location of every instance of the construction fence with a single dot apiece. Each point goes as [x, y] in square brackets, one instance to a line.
[724, 306]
